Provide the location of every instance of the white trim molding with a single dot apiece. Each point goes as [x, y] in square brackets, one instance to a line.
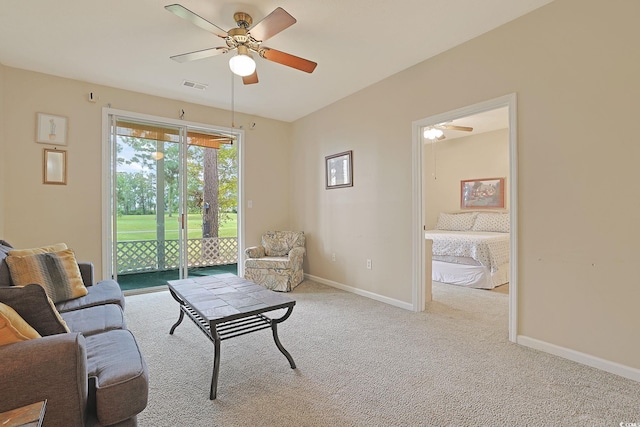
[374, 296]
[419, 293]
[582, 358]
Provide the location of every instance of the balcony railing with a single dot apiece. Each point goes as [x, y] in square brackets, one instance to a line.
[139, 256]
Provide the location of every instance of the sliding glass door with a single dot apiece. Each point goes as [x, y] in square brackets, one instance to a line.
[174, 192]
[211, 202]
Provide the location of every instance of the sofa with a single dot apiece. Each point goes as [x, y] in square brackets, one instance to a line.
[77, 355]
[276, 263]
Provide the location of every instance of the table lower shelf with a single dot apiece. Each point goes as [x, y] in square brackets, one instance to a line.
[231, 329]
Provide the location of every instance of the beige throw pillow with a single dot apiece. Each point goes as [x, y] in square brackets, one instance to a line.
[13, 328]
[41, 250]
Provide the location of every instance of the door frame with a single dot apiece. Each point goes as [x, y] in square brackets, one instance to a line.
[421, 288]
[108, 178]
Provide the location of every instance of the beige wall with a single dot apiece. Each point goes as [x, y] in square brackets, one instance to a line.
[2, 151]
[572, 68]
[450, 161]
[37, 214]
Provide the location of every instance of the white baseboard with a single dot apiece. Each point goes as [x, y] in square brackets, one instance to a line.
[381, 298]
[583, 358]
[576, 356]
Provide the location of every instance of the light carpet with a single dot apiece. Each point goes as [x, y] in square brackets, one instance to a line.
[365, 363]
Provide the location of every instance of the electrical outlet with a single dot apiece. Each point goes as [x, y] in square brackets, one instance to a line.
[333, 257]
[368, 264]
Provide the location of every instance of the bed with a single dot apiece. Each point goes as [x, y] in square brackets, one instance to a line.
[471, 249]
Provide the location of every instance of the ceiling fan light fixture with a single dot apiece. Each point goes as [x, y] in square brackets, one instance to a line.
[244, 40]
[242, 64]
[433, 133]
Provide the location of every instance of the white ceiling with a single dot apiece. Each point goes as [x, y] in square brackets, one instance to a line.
[486, 121]
[127, 44]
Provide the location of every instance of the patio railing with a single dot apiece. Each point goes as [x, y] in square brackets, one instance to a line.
[139, 256]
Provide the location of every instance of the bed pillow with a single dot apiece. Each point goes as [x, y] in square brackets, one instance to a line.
[13, 328]
[496, 222]
[456, 222]
[57, 272]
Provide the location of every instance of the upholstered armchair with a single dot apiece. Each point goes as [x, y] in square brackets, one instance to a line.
[277, 263]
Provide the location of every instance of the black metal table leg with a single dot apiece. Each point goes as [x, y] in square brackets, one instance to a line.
[274, 329]
[216, 367]
[175, 325]
[173, 328]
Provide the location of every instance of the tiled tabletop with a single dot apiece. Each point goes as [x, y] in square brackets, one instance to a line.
[225, 297]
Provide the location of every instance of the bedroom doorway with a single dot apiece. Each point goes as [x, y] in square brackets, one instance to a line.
[491, 120]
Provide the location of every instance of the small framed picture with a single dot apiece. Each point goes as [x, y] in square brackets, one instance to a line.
[54, 167]
[482, 193]
[51, 129]
[339, 170]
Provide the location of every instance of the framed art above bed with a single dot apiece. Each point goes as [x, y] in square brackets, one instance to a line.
[482, 193]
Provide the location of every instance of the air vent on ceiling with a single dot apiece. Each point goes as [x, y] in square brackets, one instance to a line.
[195, 85]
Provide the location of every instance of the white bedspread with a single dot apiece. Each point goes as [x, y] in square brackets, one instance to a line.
[488, 248]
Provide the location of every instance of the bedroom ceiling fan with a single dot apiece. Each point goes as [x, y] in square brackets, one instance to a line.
[244, 39]
[436, 132]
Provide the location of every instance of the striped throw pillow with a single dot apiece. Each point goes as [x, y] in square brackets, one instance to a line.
[57, 272]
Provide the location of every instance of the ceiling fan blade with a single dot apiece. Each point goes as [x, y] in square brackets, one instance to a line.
[272, 24]
[249, 80]
[288, 60]
[200, 54]
[185, 13]
[454, 127]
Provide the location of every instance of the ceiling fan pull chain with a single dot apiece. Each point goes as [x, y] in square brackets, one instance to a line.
[233, 108]
[435, 160]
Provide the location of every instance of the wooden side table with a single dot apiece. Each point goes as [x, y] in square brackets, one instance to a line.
[27, 416]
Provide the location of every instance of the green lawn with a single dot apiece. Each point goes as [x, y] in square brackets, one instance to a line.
[143, 227]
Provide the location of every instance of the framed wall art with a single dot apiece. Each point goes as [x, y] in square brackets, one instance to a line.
[54, 167]
[339, 170]
[51, 129]
[482, 193]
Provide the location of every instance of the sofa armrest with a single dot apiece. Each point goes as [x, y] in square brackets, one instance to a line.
[52, 368]
[255, 252]
[295, 257]
[86, 271]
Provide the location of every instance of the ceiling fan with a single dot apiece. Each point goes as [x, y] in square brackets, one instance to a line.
[244, 39]
[436, 132]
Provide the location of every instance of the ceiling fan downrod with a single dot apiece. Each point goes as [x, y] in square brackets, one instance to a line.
[244, 20]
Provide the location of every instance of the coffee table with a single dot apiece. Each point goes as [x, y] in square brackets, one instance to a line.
[225, 306]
